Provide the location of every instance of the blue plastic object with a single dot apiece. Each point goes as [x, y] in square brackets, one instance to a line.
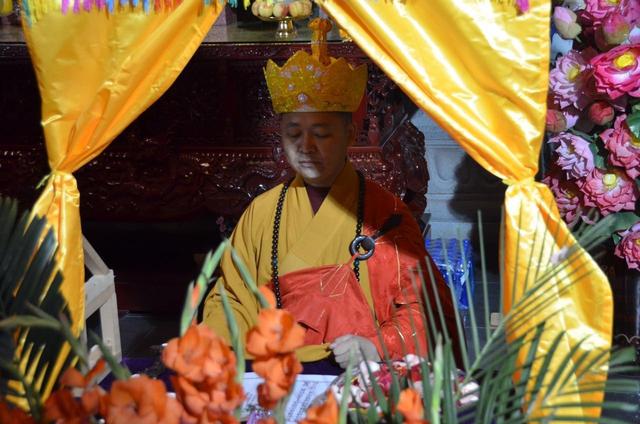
[458, 266]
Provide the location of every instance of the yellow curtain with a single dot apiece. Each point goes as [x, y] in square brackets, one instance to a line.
[480, 69]
[97, 72]
[6, 7]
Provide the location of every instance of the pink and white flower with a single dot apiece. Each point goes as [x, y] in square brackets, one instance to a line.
[630, 9]
[598, 9]
[555, 121]
[567, 81]
[601, 113]
[617, 71]
[623, 147]
[615, 28]
[574, 155]
[609, 191]
[567, 195]
[629, 246]
[565, 22]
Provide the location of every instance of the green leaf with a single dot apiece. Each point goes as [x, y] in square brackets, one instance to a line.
[438, 377]
[236, 342]
[346, 391]
[607, 226]
[581, 134]
[196, 291]
[598, 159]
[248, 279]
[633, 122]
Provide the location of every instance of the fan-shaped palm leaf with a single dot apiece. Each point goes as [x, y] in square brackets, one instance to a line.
[28, 277]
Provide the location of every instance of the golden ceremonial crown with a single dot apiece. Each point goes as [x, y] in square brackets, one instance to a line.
[316, 82]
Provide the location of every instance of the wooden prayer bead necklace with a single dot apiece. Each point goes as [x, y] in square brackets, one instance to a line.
[276, 234]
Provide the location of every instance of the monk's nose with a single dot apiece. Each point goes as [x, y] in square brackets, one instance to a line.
[308, 143]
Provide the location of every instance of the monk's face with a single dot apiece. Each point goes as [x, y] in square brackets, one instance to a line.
[315, 144]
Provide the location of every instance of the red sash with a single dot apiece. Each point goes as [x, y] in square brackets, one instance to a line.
[328, 302]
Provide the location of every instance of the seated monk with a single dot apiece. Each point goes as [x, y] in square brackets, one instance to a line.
[297, 237]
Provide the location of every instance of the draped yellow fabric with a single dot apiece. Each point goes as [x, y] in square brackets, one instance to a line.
[480, 69]
[6, 7]
[96, 73]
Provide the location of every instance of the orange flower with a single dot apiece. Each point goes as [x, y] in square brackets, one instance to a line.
[13, 415]
[276, 333]
[93, 400]
[74, 378]
[410, 406]
[141, 400]
[269, 420]
[279, 373]
[212, 399]
[327, 413]
[268, 294]
[199, 354]
[62, 407]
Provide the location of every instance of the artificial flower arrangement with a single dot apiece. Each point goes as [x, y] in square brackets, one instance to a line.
[594, 117]
[207, 373]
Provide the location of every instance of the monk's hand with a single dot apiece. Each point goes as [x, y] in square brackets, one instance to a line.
[363, 350]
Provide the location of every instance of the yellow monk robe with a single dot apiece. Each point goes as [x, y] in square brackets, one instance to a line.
[308, 240]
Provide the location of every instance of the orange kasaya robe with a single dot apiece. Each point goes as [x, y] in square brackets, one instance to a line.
[308, 240]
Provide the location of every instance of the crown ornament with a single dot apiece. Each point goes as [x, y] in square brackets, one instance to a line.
[316, 82]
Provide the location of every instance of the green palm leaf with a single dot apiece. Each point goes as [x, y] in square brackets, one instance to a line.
[28, 277]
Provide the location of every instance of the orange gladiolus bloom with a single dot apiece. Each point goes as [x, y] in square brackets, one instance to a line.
[9, 415]
[410, 406]
[199, 354]
[279, 373]
[277, 332]
[62, 406]
[141, 400]
[268, 294]
[212, 400]
[327, 413]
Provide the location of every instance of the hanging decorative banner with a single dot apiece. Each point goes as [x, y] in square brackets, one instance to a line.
[34, 9]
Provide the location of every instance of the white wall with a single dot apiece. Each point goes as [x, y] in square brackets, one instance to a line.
[458, 187]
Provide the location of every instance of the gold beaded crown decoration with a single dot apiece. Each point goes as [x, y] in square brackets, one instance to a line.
[316, 82]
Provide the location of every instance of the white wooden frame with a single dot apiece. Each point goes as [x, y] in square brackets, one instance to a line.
[100, 295]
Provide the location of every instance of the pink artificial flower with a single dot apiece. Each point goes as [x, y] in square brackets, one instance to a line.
[574, 155]
[567, 80]
[567, 195]
[598, 9]
[555, 121]
[572, 115]
[630, 9]
[565, 22]
[601, 113]
[609, 191]
[523, 5]
[615, 28]
[623, 147]
[617, 71]
[629, 247]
